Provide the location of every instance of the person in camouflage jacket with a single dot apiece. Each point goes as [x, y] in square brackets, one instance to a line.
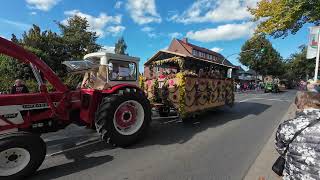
[303, 155]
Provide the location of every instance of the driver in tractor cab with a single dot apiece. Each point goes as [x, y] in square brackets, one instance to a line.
[19, 87]
[96, 79]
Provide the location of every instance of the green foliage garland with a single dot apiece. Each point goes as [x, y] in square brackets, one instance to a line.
[155, 89]
[142, 82]
[182, 93]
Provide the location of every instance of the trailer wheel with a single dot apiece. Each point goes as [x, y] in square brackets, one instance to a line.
[123, 119]
[21, 154]
[164, 111]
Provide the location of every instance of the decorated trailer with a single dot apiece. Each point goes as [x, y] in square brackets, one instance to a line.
[187, 84]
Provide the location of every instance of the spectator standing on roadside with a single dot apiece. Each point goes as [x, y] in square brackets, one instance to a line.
[302, 159]
[19, 87]
[238, 87]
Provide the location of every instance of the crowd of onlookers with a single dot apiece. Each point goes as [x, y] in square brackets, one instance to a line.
[247, 86]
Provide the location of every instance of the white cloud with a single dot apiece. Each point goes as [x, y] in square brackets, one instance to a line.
[118, 4]
[115, 30]
[165, 48]
[17, 24]
[216, 49]
[152, 35]
[143, 11]
[150, 32]
[147, 29]
[43, 5]
[175, 35]
[215, 11]
[223, 32]
[109, 49]
[33, 13]
[98, 24]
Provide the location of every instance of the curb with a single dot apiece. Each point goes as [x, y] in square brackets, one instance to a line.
[261, 168]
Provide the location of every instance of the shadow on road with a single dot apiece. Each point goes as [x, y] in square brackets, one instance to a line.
[162, 132]
[80, 161]
[175, 131]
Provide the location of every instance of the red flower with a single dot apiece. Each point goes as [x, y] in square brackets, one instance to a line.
[171, 82]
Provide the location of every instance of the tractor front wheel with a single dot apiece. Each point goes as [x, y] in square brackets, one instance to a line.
[123, 119]
[21, 154]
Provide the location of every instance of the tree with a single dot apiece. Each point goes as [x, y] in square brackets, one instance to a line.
[261, 57]
[120, 46]
[78, 39]
[53, 48]
[298, 66]
[281, 17]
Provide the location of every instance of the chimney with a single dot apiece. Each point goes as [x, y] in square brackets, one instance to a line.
[185, 40]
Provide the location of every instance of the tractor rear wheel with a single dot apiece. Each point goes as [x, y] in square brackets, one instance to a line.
[123, 119]
[21, 154]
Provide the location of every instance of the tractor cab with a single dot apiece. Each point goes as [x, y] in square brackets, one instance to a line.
[104, 70]
[103, 74]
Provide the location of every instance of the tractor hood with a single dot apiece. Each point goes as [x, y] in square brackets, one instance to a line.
[11, 49]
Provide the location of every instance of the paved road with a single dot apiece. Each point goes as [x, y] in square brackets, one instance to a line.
[221, 144]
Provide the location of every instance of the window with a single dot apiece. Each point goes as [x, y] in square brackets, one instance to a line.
[210, 56]
[158, 69]
[122, 70]
[194, 52]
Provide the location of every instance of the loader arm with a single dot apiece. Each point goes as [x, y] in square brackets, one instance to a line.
[11, 49]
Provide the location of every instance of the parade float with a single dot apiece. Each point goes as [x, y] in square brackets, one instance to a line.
[187, 84]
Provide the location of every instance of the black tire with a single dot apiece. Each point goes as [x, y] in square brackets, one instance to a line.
[164, 111]
[32, 143]
[104, 119]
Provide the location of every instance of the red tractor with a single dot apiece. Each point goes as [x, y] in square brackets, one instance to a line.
[108, 100]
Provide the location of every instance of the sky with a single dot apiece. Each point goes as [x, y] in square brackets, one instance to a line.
[149, 25]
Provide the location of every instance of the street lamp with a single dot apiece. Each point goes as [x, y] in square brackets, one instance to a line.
[262, 50]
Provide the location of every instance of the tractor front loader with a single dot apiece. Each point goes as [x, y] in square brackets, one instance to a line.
[108, 100]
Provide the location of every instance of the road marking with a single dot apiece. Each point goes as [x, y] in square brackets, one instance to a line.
[171, 121]
[268, 99]
[77, 146]
[282, 100]
[170, 117]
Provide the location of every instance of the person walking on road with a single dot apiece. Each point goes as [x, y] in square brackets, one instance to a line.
[298, 139]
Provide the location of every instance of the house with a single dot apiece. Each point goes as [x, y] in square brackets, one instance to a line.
[249, 75]
[194, 55]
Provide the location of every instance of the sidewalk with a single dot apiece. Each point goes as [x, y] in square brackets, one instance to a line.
[262, 165]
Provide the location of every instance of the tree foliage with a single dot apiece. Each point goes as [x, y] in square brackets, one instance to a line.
[78, 40]
[74, 41]
[120, 46]
[281, 17]
[265, 62]
[298, 66]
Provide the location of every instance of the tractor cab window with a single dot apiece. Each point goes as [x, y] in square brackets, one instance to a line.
[122, 70]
